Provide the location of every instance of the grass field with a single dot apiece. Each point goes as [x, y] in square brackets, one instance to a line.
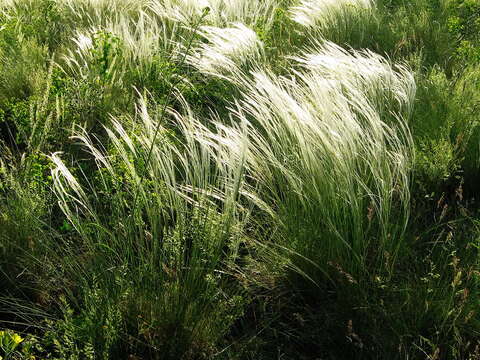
[241, 179]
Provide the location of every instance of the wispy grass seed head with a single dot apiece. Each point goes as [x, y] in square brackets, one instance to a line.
[311, 13]
[226, 51]
[220, 12]
[363, 70]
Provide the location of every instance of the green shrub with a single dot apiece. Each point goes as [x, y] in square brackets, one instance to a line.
[446, 127]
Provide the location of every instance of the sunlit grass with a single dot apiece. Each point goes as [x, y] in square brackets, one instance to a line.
[187, 179]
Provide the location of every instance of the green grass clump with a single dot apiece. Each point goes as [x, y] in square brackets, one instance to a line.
[173, 227]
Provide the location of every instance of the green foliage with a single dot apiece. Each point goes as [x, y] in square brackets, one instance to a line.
[464, 24]
[24, 206]
[446, 127]
[277, 38]
[9, 344]
[15, 116]
[40, 20]
[104, 53]
[22, 69]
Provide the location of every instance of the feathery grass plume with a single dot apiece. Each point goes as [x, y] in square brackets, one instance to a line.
[144, 38]
[96, 12]
[165, 253]
[341, 21]
[311, 13]
[227, 51]
[126, 51]
[117, 6]
[151, 47]
[334, 174]
[5, 4]
[220, 12]
[388, 87]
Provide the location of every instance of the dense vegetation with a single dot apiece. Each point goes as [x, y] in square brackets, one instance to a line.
[244, 179]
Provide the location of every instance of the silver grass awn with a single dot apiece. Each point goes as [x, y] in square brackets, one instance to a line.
[311, 13]
[226, 51]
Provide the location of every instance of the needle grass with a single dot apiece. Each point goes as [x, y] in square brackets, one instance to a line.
[169, 255]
